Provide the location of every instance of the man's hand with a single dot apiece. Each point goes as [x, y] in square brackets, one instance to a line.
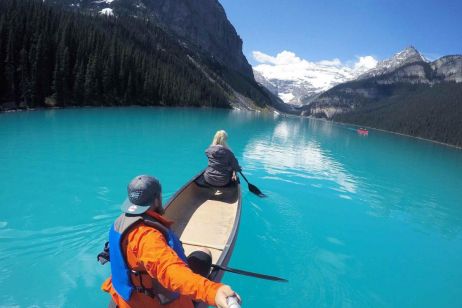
[223, 293]
[234, 177]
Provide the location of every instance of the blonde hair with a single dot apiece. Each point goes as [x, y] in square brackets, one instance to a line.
[220, 138]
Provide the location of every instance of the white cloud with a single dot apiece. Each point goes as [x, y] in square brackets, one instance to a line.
[283, 58]
[333, 62]
[263, 58]
[365, 63]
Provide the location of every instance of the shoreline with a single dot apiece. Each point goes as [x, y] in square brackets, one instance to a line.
[233, 108]
[399, 134]
[115, 106]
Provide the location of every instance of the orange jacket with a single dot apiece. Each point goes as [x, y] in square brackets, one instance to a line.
[147, 250]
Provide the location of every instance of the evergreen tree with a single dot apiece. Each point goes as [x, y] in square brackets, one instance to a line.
[37, 84]
[67, 76]
[25, 77]
[3, 40]
[91, 82]
[58, 79]
[79, 83]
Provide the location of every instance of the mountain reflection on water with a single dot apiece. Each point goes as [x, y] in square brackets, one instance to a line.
[292, 153]
[295, 153]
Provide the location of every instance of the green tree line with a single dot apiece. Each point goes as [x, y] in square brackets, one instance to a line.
[430, 112]
[53, 57]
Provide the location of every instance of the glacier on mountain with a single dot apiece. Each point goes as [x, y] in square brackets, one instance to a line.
[297, 81]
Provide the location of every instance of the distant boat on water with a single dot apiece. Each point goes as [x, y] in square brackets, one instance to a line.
[362, 131]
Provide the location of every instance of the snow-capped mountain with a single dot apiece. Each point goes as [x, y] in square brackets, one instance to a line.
[406, 74]
[404, 94]
[406, 56]
[298, 81]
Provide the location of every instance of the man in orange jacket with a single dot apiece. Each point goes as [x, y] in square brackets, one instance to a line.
[148, 265]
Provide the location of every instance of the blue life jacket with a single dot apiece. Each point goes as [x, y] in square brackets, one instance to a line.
[121, 273]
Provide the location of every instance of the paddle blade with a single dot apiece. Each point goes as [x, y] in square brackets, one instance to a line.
[254, 189]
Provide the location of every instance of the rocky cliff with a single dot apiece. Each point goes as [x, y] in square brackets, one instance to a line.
[201, 25]
[204, 24]
[448, 68]
[400, 59]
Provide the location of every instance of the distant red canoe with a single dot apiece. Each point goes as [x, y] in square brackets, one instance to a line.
[362, 131]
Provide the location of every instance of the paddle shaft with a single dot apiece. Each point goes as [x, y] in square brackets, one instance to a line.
[250, 274]
[244, 177]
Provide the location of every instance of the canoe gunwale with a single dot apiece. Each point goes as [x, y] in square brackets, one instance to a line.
[217, 274]
[229, 246]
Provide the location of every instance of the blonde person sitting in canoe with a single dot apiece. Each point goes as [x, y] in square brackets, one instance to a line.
[222, 165]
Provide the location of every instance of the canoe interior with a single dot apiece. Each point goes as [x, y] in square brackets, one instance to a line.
[205, 217]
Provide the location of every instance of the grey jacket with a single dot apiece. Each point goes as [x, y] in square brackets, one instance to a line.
[222, 163]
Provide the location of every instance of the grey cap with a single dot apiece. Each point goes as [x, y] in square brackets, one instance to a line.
[142, 191]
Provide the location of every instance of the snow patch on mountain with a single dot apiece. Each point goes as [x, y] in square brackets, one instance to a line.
[103, 1]
[107, 11]
[297, 80]
[286, 97]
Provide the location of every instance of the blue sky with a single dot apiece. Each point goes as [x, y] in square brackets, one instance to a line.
[326, 29]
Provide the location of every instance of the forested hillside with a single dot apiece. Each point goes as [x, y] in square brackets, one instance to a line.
[52, 57]
[418, 110]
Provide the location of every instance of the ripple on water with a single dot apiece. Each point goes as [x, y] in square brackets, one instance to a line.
[345, 197]
[108, 217]
[48, 242]
[335, 241]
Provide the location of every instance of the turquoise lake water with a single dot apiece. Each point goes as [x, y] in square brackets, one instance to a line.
[350, 221]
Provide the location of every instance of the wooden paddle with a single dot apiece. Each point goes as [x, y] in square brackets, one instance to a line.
[246, 273]
[254, 189]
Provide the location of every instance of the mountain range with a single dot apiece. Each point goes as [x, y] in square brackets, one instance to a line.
[298, 81]
[405, 93]
[405, 68]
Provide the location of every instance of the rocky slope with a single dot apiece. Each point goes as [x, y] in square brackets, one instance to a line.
[448, 68]
[406, 56]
